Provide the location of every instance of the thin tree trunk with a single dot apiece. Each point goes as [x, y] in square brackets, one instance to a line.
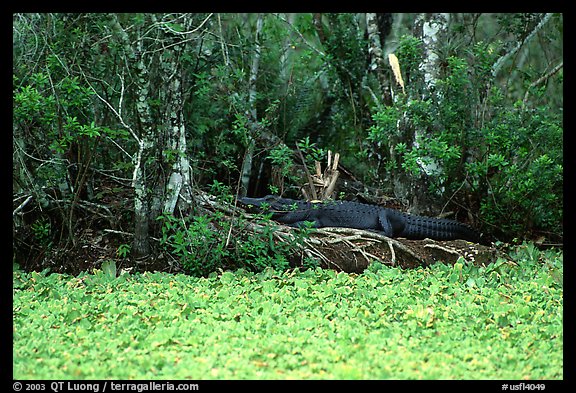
[179, 180]
[285, 71]
[392, 40]
[141, 245]
[252, 115]
[377, 63]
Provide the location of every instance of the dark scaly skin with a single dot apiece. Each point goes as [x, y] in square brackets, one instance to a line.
[390, 222]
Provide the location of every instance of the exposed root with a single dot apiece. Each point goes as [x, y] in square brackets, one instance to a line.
[449, 250]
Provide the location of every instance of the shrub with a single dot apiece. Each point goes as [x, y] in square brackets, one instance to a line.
[501, 160]
[201, 245]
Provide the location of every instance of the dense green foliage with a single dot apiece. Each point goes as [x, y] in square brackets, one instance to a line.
[503, 321]
[508, 158]
[199, 248]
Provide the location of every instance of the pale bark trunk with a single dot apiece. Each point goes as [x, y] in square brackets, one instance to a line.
[432, 28]
[179, 180]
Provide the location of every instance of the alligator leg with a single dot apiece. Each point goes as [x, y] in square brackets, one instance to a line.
[385, 224]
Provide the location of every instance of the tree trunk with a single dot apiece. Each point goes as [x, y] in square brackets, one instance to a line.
[141, 245]
[377, 63]
[161, 177]
[145, 140]
[432, 29]
[285, 69]
[179, 180]
[251, 112]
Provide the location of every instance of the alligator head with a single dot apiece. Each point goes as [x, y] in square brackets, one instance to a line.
[271, 204]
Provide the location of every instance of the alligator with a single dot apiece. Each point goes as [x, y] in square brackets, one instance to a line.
[347, 214]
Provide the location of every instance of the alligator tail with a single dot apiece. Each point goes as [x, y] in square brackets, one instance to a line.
[418, 227]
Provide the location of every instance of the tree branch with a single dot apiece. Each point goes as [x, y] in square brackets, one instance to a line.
[540, 80]
[500, 62]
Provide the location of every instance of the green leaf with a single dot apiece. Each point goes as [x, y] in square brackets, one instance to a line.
[109, 268]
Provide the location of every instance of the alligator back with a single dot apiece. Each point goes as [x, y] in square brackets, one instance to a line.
[345, 214]
[321, 214]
